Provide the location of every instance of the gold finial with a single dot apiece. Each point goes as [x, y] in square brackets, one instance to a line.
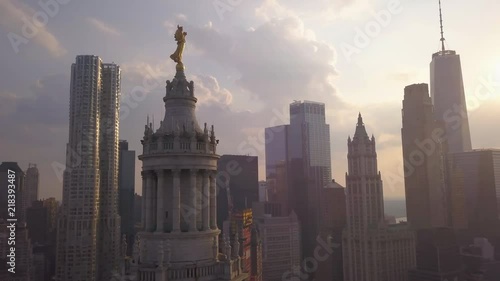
[180, 37]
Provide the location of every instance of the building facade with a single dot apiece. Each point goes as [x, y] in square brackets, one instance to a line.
[474, 179]
[126, 192]
[448, 97]
[423, 160]
[88, 236]
[179, 239]
[238, 177]
[438, 256]
[281, 250]
[372, 250]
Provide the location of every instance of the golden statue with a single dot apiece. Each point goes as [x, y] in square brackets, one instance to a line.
[180, 37]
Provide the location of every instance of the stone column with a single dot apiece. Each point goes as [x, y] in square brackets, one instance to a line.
[149, 200]
[213, 202]
[176, 201]
[192, 213]
[160, 212]
[205, 211]
[144, 200]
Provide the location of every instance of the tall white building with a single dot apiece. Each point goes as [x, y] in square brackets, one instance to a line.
[179, 240]
[89, 226]
[31, 185]
[372, 250]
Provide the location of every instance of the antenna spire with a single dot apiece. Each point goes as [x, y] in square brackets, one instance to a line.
[441, 23]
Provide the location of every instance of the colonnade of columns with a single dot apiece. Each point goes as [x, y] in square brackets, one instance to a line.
[162, 200]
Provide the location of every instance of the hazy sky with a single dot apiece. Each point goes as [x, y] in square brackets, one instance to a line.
[249, 59]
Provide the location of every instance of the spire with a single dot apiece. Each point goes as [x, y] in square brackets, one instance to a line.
[360, 129]
[441, 24]
[360, 120]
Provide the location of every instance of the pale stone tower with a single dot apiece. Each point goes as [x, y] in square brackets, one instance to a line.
[179, 239]
[372, 250]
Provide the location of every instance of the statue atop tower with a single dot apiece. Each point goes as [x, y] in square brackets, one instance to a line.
[180, 37]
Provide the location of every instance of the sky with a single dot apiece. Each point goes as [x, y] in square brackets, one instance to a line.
[249, 59]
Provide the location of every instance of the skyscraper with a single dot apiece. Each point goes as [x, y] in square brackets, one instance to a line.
[423, 160]
[475, 192]
[89, 226]
[179, 239]
[32, 185]
[371, 250]
[126, 189]
[448, 97]
[298, 163]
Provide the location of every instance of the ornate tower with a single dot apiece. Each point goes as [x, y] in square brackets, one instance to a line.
[365, 200]
[371, 249]
[179, 239]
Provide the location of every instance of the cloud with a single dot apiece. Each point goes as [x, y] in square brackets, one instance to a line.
[33, 119]
[103, 27]
[18, 20]
[277, 62]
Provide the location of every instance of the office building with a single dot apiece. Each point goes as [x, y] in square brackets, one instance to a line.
[333, 219]
[88, 238]
[298, 165]
[281, 251]
[448, 97]
[31, 184]
[238, 176]
[423, 160]
[126, 192]
[372, 250]
[475, 192]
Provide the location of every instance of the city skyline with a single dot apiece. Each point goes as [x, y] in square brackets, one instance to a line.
[235, 82]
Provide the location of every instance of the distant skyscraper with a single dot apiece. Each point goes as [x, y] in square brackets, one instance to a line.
[32, 185]
[298, 164]
[126, 189]
[20, 194]
[448, 97]
[372, 250]
[438, 256]
[89, 227]
[179, 240]
[475, 191]
[423, 160]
